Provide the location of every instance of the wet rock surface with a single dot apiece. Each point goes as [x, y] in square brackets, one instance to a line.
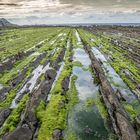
[65, 83]
[119, 95]
[29, 119]
[120, 121]
[8, 64]
[133, 51]
[125, 127]
[19, 78]
[3, 115]
[20, 97]
[16, 80]
[3, 92]
[22, 133]
[56, 64]
[50, 74]
[1, 49]
[36, 62]
[88, 120]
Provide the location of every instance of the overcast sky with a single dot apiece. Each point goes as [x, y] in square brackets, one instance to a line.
[70, 11]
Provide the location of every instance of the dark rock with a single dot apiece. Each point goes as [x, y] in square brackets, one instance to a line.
[2, 97]
[61, 104]
[3, 115]
[5, 89]
[36, 62]
[29, 125]
[3, 92]
[19, 55]
[45, 88]
[65, 83]
[21, 133]
[88, 131]
[39, 45]
[71, 58]
[50, 74]
[127, 130]
[119, 118]
[30, 119]
[138, 86]
[41, 93]
[6, 66]
[45, 63]
[61, 56]
[27, 87]
[2, 49]
[138, 122]
[56, 65]
[20, 97]
[119, 95]
[57, 134]
[19, 78]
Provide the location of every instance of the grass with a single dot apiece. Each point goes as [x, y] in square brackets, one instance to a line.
[101, 107]
[40, 110]
[72, 94]
[71, 136]
[25, 39]
[133, 110]
[112, 137]
[77, 63]
[90, 102]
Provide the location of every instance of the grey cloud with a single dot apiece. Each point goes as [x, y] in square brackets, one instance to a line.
[3, 13]
[9, 4]
[49, 11]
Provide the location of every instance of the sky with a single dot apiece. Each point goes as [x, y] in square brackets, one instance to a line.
[70, 11]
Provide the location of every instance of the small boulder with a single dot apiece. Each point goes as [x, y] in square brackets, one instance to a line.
[57, 134]
[3, 115]
[50, 74]
[65, 83]
[21, 133]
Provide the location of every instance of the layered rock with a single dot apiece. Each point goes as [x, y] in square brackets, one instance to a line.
[119, 118]
[3, 115]
[30, 122]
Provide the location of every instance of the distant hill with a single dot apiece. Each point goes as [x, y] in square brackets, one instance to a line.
[6, 23]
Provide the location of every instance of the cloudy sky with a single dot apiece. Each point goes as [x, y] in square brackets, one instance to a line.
[70, 11]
